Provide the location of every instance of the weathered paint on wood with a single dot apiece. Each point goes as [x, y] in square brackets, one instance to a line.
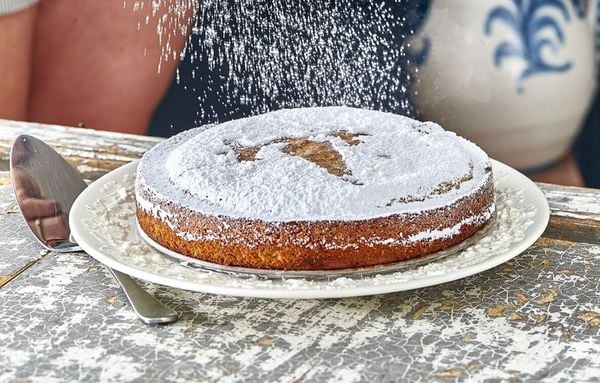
[572, 202]
[92, 152]
[63, 318]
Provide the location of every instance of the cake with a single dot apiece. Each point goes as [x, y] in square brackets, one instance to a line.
[313, 189]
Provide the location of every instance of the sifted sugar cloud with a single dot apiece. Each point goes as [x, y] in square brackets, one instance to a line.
[252, 56]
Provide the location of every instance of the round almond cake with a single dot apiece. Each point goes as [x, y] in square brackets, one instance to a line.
[313, 189]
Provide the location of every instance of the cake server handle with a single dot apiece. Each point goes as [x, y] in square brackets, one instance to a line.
[149, 309]
[50, 194]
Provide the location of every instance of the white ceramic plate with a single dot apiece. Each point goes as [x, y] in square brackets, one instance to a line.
[103, 222]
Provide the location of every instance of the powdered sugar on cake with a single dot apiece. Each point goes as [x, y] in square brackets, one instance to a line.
[264, 167]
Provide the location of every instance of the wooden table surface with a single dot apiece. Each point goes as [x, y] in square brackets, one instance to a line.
[63, 318]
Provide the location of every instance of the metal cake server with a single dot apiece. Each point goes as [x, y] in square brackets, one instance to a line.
[46, 187]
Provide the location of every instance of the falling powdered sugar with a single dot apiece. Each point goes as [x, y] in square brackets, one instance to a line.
[247, 57]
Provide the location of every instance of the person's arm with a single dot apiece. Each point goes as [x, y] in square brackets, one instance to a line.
[565, 172]
[16, 39]
[96, 62]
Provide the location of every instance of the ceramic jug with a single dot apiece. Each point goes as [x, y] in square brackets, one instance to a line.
[514, 76]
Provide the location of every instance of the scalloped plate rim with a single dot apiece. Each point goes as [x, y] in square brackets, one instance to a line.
[515, 179]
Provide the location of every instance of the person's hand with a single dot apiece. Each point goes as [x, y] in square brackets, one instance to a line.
[44, 216]
[564, 173]
[33, 208]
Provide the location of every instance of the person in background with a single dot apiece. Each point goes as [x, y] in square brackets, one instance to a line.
[587, 146]
[198, 80]
[84, 62]
[96, 64]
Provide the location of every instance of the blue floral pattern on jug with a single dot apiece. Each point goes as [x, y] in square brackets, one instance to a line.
[530, 25]
[581, 7]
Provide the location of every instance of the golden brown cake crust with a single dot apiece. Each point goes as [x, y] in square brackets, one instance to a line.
[314, 189]
[317, 245]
